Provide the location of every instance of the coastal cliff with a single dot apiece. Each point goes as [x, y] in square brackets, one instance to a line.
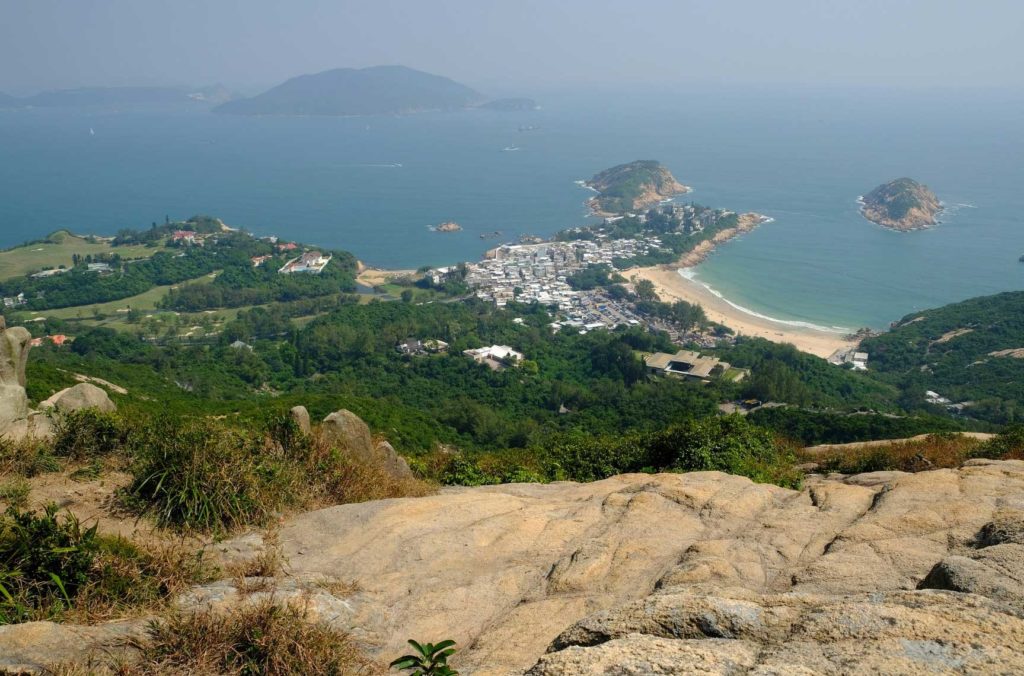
[632, 187]
[903, 205]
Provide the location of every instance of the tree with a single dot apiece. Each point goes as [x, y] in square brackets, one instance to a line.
[407, 296]
[645, 290]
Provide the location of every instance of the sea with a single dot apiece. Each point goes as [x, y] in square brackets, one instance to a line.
[377, 186]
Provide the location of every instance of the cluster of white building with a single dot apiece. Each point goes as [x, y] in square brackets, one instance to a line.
[538, 272]
[312, 262]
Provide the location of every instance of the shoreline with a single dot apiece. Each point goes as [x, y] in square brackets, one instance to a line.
[746, 223]
[671, 285]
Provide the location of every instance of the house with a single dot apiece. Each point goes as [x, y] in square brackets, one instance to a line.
[495, 357]
[257, 261]
[58, 340]
[435, 346]
[102, 268]
[15, 301]
[411, 346]
[49, 273]
[184, 237]
[686, 364]
[312, 262]
[287, 246]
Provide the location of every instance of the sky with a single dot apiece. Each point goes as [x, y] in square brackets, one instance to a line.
[506, 47]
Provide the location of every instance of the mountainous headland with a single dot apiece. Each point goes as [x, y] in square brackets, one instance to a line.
[634, 186]
[377, 90]
[902, 204]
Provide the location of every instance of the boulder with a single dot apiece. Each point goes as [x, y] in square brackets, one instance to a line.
[79, 397]
[350, 433]
[34, 647]
[300, 416]
[35, 426]
[395, 463]
[14, 347]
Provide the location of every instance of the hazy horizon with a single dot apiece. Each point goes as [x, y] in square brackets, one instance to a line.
[504, 48]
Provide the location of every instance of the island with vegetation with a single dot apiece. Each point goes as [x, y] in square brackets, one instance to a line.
[903, 205]
[380, 90]
[632, 187]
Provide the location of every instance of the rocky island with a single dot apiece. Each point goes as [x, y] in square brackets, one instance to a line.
[632, 187]
[448, 226]
[903, 205]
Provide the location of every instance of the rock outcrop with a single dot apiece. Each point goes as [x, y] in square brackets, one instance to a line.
[300, 416]
[353, 436]
[669, 574]
[15, 343]
[80, 397]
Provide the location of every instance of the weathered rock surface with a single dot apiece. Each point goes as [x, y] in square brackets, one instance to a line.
[32, 646]
[670, 574]
[735, 576]
[80, 397]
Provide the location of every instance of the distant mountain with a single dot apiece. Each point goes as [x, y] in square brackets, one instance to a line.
[106, 96]
[367, 91]
[633, 186]
[510, 105]
[903, 204]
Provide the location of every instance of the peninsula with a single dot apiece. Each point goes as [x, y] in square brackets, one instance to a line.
[902, 205]
[630, 187]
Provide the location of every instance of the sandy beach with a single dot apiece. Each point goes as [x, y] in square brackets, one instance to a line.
[370, 276]
[671, 286]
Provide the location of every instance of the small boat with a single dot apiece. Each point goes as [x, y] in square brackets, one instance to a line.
[510, 149]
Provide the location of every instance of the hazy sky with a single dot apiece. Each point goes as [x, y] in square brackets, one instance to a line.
[507, 46]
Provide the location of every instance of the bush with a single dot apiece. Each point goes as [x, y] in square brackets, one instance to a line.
[88, 434]
[44, 561]
[51, 567]
[936, 451]
[263, 638]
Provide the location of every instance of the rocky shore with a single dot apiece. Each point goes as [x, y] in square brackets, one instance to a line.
[746, 223]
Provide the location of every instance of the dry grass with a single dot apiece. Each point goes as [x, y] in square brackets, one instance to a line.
[937, 451]
[266, 638]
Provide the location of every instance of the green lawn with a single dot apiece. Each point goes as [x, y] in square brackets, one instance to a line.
[57, 250]
[144, 302]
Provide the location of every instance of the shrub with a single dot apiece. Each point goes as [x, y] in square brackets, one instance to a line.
[428, 660]
[44, 561]
[263, 638]
[936, 451]
[1006, 446]
[52, 568]
[88, 434]
[199, 474]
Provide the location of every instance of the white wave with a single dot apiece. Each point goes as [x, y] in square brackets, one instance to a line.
[691, 275]
[583, 184]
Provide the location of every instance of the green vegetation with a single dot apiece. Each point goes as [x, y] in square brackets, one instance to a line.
[962, 351]
[593, 276]
[428, 660]
[59, 250]
[52, 567]
[624, 187]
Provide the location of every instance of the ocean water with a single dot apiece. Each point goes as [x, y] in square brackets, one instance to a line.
[373, 185]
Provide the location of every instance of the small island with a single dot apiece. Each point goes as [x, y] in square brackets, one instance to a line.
[448, 226]
[632, 187]
[902, 205]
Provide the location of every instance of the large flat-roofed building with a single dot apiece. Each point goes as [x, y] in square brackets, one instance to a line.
[686, 364]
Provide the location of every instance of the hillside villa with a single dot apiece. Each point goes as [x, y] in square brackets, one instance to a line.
[496, 357]
[689, 365]
[312, 262]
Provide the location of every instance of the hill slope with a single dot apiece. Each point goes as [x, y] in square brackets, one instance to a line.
[633, 186]
[348, 91]
[970, 351]
[903, 204]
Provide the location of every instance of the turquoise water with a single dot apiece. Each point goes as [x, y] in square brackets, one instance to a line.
[373, 185]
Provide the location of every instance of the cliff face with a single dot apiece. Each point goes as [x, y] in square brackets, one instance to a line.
[632, 187]
[903, 204]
